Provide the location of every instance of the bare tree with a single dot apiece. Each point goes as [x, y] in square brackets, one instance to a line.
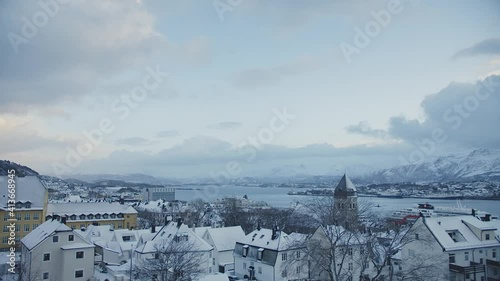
[173, 261]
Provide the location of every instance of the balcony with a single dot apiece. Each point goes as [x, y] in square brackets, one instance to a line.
[493, 262]
[474, 267]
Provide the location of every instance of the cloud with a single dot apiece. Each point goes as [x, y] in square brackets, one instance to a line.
[486, 47]
[133, 141]
[225, 126]
[200, 156]
[466, 113]
[19, 136]
[168, 133]
[363, 128]
[254, 78]
[84, 49]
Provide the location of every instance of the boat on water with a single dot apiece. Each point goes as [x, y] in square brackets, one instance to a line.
[427, 210]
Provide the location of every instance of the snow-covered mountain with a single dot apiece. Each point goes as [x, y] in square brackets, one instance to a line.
[480, 164]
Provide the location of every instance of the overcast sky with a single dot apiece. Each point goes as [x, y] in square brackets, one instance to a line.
[233, 68]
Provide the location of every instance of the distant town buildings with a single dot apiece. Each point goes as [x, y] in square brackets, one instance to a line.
[53, 251]
[79, 215]
[158, 193]
[31, 198]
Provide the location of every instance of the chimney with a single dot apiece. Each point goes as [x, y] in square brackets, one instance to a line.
[258, 226]
[487, 217]
[153, 229]
[474, 212]
[64, 219]
[179, 222]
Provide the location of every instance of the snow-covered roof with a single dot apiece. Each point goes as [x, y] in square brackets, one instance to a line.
[263, 239]
[102, 236]
[77, 246]
[225, 238]
[168, 232]
[28, 188]
[89, 208]
[345, 185]
[43, 231]
[441, 226]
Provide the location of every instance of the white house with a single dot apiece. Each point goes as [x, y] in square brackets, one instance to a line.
[114, 246]
[465, 247]
[53, 251]
[223, 240]
[270, 255]
[176, 234]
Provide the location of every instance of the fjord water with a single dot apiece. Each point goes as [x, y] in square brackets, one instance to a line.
[278, 197]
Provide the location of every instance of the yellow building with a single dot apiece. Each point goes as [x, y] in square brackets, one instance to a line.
[29, 210]
[78, 215]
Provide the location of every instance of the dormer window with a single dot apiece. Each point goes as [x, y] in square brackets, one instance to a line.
[105, 216]
[113, 216]
[98, 216]
[245, 251]
[82, 217]
[487, 236]
[260, 253]
[73, 217]
[90, 217]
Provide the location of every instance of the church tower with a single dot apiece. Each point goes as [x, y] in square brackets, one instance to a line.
[346, 202]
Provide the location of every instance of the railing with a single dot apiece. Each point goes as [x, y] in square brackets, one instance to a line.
[472, 268]
[493, 262]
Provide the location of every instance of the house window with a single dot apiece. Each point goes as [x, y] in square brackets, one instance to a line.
[35, 225]
[298, 270]
[466, 256]
[284, 257]
[36, 216]
[18, 227]
[5, 229]
[78, 273]
[245, 265]
[18, 217]
[79, 255]
[5, 216]
[45, 275]
[26, 227]
[245, 250]
[411, 253]
[487, 237]
[350, 251]
[5, 239]
[46, 257]
[452, 258]
[71, 237]
[350, 266]
[284, 273]
[494, 253]
[27, 217]
[260, 270]
[297, 254]
[55, 239]
[126, 238]
[416, 236]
